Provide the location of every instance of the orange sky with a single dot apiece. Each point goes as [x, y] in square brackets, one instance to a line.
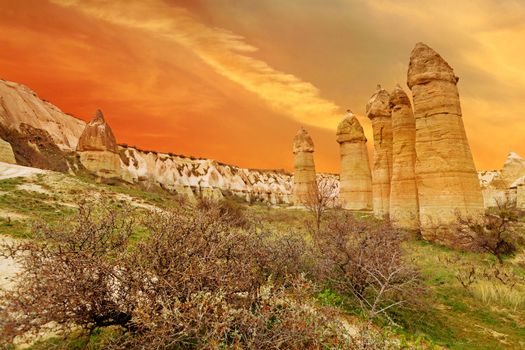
[233, 80]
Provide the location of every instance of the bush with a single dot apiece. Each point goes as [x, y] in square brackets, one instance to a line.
[197, 281]
[365, 259]
[495, 232]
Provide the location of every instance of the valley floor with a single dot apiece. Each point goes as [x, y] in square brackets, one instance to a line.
[488, 313]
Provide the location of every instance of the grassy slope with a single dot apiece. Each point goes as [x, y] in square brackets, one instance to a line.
[453, 316]
[53, 198]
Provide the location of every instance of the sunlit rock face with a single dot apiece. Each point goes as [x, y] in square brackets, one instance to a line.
[520, 196]
[304, 179]
[447, 181]
[20, 105]
[193, 178]
[6, 152]
[504, 184]
[404, 211]
[378, 111]
[355, 192]
[97, 148]
[513, 169]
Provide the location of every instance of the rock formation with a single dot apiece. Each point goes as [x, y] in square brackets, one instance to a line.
[98, 149]
[6, 152]
[20, 105]
[446, 177]
[513, 169]
[355, 189]
[44, 137]
[404, 211]
[378, 111]
[304, 179]
[520, 196]
[502, 185]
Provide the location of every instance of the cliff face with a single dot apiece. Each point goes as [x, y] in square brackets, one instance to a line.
[42, 136]
[206, 177]
[505, 184]
[20, 106]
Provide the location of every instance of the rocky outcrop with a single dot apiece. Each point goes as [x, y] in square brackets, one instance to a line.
[404, 207]
[97, 148]
[503, 185]
[194, 177]
[6, 152]
[36, 148]
[446, 177]
[355, 191]
[513, 169]
[378, 111]
[520, 196]
[304, 180]
[20, 105]
[42, 136]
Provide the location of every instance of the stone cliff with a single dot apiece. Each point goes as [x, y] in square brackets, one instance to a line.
[506, 184]
[42, 136]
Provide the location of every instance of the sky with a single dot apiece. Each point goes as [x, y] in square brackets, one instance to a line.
[233, 80]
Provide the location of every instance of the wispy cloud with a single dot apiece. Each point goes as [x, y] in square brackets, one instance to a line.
[227, 53]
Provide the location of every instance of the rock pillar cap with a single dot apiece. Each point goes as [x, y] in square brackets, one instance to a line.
[378, 105]
[302, 142]
[427, 65]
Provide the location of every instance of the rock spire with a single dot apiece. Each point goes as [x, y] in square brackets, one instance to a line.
[446, 176]
[404, 211]
[355, 191]
[304, 173]
[378, 111]
[97, 148]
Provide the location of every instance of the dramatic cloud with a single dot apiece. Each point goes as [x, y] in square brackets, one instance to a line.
[234, 79]
[226, 52]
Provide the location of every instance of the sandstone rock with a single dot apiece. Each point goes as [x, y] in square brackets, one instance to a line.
[520, 196]
[513, 169]
[97, 136]
[378, 111]
[20, 105]
[501, 185]
[6, 152]
[446, 177]
[98, 149]
[404, 211]
[355, 188]
[304, 167]
[182, 174]
[102, 163]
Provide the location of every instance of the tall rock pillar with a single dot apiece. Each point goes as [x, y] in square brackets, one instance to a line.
[304, 167]
[355, 189]
[447, 181]
[404, 212]
[378, 111]
[97, 148]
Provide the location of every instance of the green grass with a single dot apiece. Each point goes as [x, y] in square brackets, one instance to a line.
[455, 316]
[485, 316]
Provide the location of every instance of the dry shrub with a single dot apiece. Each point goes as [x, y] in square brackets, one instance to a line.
[197, 281]
[366, 260]
[68, 276]
[495, 232]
